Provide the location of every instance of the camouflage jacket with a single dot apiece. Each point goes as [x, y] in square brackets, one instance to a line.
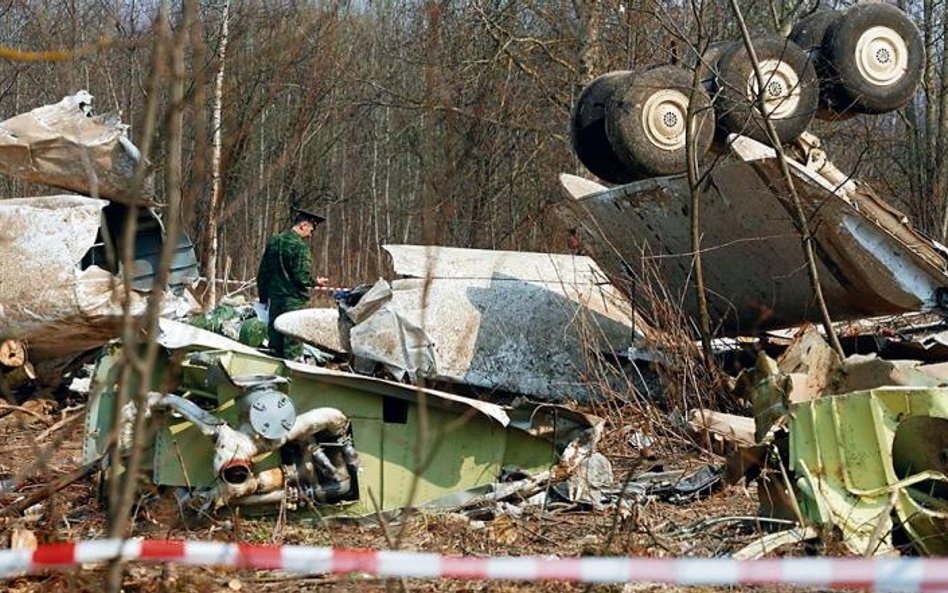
[286, 268]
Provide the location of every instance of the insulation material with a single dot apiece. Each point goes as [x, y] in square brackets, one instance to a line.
[63, 145]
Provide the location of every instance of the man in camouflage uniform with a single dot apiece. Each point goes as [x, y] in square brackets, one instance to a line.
[284, 279]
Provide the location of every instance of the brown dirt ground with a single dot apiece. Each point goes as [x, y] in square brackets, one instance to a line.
[655, 529]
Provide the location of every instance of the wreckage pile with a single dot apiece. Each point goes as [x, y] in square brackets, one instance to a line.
[508, 395]
[856, 444]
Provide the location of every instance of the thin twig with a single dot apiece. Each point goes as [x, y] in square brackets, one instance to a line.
[10, 408]
[691, 155]
[62, 422]
[798, 214]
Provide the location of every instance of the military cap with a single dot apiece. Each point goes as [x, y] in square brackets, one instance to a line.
[300, 215]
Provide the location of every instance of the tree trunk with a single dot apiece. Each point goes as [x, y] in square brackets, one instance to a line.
[213, 212]
[590, 13]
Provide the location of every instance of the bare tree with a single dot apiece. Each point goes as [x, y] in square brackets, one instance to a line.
[214, 208]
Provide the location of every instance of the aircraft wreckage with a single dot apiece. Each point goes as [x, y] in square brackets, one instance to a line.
[497, 321]
[628, 128]
[64, 240]
[238, 428]
[871, 261]
[235, 427]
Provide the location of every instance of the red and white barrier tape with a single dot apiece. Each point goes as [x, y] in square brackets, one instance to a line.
[881, 574]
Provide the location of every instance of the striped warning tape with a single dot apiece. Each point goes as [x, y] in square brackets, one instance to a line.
[881, 574]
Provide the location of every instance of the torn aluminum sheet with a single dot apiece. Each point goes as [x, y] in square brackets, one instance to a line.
[317, 326]
[55, 294]
[46, 299]
[380, 332]
[513, 321]
[462, 443]
[64, 145]
[862, 458]
[816, 370]
[870, 261]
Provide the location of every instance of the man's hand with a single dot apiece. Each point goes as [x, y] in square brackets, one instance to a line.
[321, 281]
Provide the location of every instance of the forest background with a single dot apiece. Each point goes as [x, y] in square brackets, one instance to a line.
[408, 121]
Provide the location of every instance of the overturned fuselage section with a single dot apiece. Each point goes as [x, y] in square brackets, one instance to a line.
[238, 428]
[871, 262]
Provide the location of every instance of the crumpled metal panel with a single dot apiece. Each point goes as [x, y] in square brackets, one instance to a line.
[520, 322]
[514, 321]
[870, 261]
[63, 145]
[55, 292]
[45, 298]
[384, 331]
[860, 457]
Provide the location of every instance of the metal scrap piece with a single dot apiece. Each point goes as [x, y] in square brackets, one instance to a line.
[63, 145]
[44, 295]
[860, 456]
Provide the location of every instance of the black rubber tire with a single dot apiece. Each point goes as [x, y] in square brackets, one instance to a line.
[850, 88]
[708, 64]
[588, 129]
[736, 104]
[809, 31]
[643, 145]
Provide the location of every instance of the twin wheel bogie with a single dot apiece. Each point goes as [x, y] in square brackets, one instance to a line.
[629, 125]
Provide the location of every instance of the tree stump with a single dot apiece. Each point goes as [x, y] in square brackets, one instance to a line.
[12, 353]
[17, 377]
[15, 370]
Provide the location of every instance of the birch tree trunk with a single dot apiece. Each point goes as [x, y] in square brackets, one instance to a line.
[590, 13]
[210, 300]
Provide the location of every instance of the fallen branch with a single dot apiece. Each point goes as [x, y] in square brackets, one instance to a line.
[6, 409]
[62, 422]
[46, 491]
